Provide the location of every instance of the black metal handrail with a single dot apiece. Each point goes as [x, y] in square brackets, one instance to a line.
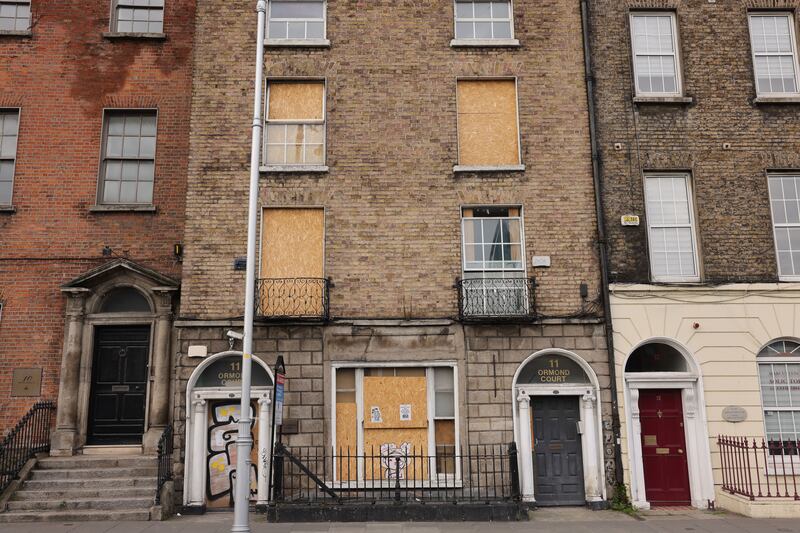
[292, 298]
[164, 461]
[477, 474]
[30, 436]
[758, 468]
[482, 299]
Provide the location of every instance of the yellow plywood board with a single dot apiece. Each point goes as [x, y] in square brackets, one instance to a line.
[346, 442]
[487, 123]
[296, 100]
[292, 243]
[384, 447]
[389, 393]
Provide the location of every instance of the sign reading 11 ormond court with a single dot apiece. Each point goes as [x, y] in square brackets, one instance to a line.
[553, 370]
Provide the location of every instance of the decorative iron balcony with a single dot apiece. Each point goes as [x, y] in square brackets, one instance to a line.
[292, 298]
[481, 299]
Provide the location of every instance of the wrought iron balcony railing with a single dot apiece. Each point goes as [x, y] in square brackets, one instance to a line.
[496, 298]
[288, 298]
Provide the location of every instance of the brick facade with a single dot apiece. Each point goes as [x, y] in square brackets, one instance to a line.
[730, 185]
[61, 77]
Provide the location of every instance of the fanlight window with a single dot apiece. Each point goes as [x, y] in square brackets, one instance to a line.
[779, 375]
[125, 300]
[656, 357]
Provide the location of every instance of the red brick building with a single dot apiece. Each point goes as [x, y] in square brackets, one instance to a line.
[94, 102]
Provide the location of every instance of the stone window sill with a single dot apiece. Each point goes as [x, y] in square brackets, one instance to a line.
[485, 43]
[16, 33]
[498, 168]
[135, 36]
[663, 100]
[777, 99]
[7, 209]
[122, 208]
[294, 169]
[297, 43]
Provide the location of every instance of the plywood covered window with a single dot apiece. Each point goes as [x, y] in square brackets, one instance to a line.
[292, 263]
[382, 411]
[295, 133]
[772, 38]
[488, 129]
[138, 16]
[15, 15]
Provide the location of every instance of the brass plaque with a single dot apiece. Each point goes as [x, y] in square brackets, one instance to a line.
[120, 388]
[555, 446]
[26, 382]
[651, 440]
[662, 451]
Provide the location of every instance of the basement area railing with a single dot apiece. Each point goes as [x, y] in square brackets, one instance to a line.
[757, 468]
[30, 436]
[481, 299]
[475, 474]
[292, 298]
[164, 461]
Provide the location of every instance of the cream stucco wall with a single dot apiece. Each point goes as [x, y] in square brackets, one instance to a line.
[733, 323]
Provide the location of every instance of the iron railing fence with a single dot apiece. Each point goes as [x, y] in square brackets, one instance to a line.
[293, 298]
[30, 436]
[757, 468]
[475, 474]
[164, 461]
[496, 299]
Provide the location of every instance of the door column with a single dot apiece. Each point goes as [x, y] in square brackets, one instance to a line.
[638, 492]
[264, 451]
[161, 366]
[525, 450]
[65, 437]
[591, 462]
[195, 471]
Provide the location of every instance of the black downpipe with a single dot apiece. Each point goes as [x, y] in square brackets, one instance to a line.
[601, 238]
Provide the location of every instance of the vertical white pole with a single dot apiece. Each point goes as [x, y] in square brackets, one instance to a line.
[244, 442]
[525, 452]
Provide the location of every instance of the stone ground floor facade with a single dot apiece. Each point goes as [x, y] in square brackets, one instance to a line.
[698, 363]
[455, 385]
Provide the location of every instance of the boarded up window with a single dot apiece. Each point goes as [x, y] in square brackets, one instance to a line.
[488, 134]
[292, 254]
[295, 123]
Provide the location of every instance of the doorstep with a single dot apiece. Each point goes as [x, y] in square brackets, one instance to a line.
[122, 449]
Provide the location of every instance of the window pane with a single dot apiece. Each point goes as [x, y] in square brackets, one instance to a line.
[304, 10]
[655, 62]
[500, 9]
[465, 30]
[315, 30]
[6, 170]
[296, 30]
[502, 30]
[483, 30]
[144, 194]
[464, 10]
[277, 30]
[111, 192]
[445, 405]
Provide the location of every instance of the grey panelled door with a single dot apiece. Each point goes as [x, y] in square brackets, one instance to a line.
[557, 458]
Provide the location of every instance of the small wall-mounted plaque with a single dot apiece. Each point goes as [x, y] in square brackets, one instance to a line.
[630, 220]
[26, 382]
[734, 414]
[540, 261]
[240, 263]
[197, 351]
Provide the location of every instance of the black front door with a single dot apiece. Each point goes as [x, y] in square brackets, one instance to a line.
[119, 385]
[557, 458]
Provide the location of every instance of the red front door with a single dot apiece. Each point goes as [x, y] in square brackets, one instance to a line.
[666, 472]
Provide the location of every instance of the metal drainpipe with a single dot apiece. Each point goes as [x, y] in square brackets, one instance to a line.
[601, 239]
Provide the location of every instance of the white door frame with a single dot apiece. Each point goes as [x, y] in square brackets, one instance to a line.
[591, 426]
[698, 455]
[194, 478]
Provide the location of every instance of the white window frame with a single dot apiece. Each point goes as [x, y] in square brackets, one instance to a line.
[101, 170]
[501, 41]
[775, 225]
[792, 36]
[16, 152]
[675, 45]
[284, 167]
[692, 226]
[323, 41]
[360, 366]
[114, 22]
[30, 16]
[767, 360]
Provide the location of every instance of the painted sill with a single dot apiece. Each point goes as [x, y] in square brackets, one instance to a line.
[500, 168]
[16, 33]
[795, 99]
[122, 208]
[135, 36]
[485, 43]
[297, 43]
[663, 100]
[7, 209]
[294, 169]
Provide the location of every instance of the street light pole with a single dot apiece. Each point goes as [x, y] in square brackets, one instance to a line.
[244, 440]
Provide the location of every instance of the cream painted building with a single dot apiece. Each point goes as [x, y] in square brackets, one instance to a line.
[720, 351]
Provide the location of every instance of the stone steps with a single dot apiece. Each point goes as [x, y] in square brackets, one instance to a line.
[85, 488]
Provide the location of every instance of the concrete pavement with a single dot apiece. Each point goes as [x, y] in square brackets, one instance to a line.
[543, 520]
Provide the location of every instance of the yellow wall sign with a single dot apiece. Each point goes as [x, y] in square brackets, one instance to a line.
[630, 220]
